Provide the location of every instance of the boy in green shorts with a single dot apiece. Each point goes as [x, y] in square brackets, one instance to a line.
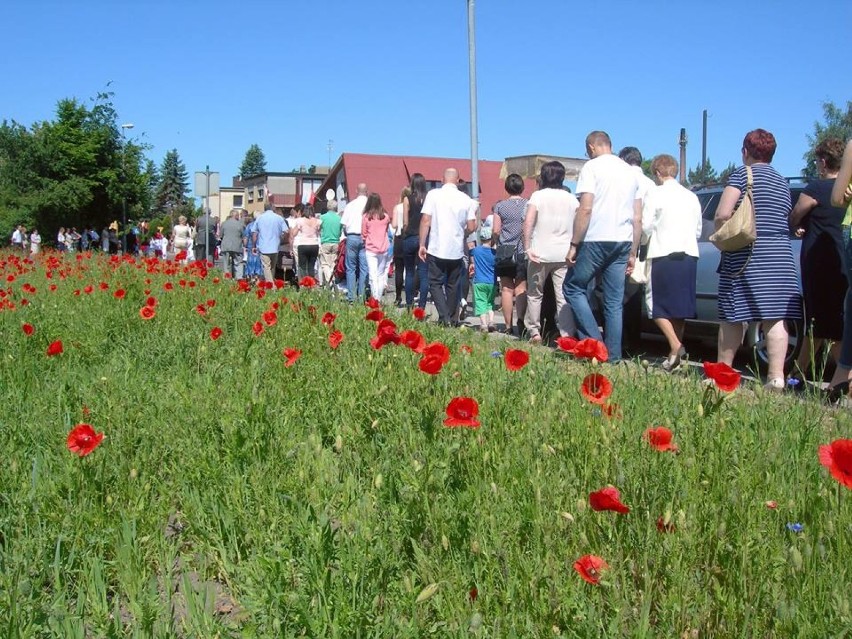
[484, 281]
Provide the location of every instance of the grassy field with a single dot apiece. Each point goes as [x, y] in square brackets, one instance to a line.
[241, 491]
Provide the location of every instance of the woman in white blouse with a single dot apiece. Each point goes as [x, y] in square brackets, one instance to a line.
[671, 226]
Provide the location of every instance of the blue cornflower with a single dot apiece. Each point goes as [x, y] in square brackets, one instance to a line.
[496, 354]
[795, 527]
[793, 382]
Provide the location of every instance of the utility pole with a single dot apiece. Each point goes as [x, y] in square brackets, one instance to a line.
[207, 216]
[124, 127]
[682, 142]
[474, 137]
[704, 145]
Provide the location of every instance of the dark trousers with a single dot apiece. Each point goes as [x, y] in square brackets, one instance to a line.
[444, 283]
[398, 268]
[416, 272]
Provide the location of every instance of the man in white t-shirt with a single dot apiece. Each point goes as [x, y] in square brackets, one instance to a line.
[607, 229]
[18, 238]
[448, 216]
[356, 254]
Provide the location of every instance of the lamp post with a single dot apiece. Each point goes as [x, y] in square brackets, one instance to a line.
[124, 127]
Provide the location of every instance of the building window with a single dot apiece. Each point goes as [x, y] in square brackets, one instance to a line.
[250, 197]
[238, 201]
[260, 195]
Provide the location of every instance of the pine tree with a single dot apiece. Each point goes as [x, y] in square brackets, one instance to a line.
[702, 175]
[254, 162]
[174, 183]
[838, 124]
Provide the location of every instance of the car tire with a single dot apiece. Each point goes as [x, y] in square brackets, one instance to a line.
[756, 342]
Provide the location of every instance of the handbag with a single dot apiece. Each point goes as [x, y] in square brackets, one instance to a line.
[739, 231]
[641, 267]
[505, 257]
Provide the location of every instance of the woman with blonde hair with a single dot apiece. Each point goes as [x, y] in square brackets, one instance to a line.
[671, 226]
[181, 236]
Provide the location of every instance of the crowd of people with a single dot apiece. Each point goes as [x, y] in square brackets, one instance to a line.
[437, 242]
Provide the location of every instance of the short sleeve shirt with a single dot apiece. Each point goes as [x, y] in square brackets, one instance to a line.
[615, 186]
[511, 213]
[449, 210]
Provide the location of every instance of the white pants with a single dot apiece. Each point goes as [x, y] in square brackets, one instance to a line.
[377, 267]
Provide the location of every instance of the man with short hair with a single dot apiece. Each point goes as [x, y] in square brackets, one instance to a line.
[18, 238]
[448, 215]
[205, 236]
[607, 228]
[356, 254]
[231, 233]
[330, 228]
[266, 238]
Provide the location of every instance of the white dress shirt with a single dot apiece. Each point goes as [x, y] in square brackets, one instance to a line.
[671, 220]
[353, 214]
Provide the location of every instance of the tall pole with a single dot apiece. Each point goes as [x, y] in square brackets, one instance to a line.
[474, 137]
[124, 128]
[682, 156]
[207, 216]
[704, 145]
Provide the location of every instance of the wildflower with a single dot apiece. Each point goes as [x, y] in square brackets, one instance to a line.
[660, 438]
[431, 364]
[566, 344]
[589, 567]
[55, 348]
[771, 504]
[413, 340]
[334, 339]
[119, 294]
[664, 526]
[215, 333]
[270, 318]
[201, 310]
[258, 329]
[516, 359]
[496, 354]
[419, 314]
[147, 312]
[439, 350]
[467, 350]
[307, 282]
[725, 377]
[291, 355]
[328, 319]
[210, 303]
[591, 349]
[374, 316]
[795, 527]
[608, 499]
[837, 457]
[462, 411]
[473, 594]
[83, 439]
[28, 329]
[596, 388]
[151, 301]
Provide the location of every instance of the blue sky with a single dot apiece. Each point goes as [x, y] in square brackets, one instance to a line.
[211, 78]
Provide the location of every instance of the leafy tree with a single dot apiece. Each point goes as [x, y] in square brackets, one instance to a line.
[837, 124]
[702, 175]
[173, 185]
[254, 162]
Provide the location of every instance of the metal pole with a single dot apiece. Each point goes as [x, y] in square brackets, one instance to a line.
[683, 156]
[207, 216]
[704, 145]
[123, 194]
[474, 137]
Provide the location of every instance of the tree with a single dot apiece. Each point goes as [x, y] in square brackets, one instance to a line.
[254, 162]
[726, 173]
[837, 124]
[702, 175]
[173, 184]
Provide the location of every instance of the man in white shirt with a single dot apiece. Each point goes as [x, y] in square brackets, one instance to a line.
[448, 215]
[266, 238]
[607, 229]
[18, 238]
[356, 254]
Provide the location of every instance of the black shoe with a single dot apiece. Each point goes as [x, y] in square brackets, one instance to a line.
[835, 394]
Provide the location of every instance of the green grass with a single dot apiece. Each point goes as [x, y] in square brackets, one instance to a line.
[234, 497]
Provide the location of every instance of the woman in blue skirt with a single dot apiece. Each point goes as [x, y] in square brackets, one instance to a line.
[253, 270]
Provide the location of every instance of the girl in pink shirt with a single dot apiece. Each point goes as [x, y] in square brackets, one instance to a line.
[374, 231]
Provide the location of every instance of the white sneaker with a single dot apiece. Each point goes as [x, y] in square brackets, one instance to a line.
[775, 385]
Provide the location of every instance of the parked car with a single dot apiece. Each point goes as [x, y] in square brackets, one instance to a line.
[706, 324]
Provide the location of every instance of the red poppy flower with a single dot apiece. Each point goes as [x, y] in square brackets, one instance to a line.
[473, 594]
[55, 348]
[607, 499]
[168, 286]
[462, 411]
[837, 457]
[386, 326]
[279, 283]
[725, 377]
[151, 301]
[88, 289]
[328, 319]
[28, 329]
[371, 302]
[291, 355]
[53, 287]
[383, 338]
[147, 312]
[270, 318]
[596, 388]
[467, 350]
[180, 256]
[589, 567]
[430, 364]
[334, 339]
[201, 309]
[119, 294]
[374, 316]
[103, 286]
[83, 439]
[612, 411]
[215, 333]
[211, 303]
[419, 314]
[413, 340]
[260, 293]
[665, 527]
[307, 282]
[312, 311]
[257, 327]
[516, 359]
[660, 438]
[438, 349]
[591, 349]
[566, 344]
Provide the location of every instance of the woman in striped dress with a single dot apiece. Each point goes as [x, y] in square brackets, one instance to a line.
[759, 283]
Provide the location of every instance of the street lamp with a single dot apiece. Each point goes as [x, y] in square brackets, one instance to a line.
[124, 127]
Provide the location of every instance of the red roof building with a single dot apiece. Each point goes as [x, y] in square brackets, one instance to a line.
[388, 174]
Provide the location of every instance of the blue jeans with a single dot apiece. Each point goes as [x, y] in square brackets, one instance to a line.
[356, 266]
[846, 344]
[609, 260]
[410, 245]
